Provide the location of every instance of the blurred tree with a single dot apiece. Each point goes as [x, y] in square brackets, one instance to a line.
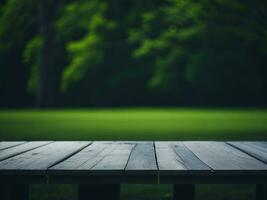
[211, 51]
[124, 52]
[85, 19]
[48, 79]
[17, 26]
[228, 68]
[21, 37]
[167, 36]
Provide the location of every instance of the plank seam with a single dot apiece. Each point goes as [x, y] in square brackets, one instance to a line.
[22, 142]
[212, 170]
[156, 158]
[182, 163]
[64, 158]
[129, 158]
[84, 163]
[114, 147]
[249, 154]
[21, 152]
[258, 148]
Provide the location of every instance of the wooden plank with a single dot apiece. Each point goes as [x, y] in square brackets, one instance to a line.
[84, 160]
[95, 157]
[225, 159]
[105, 158]
[38, 160]
[15, 150]
[191, 162]
[142, 160]
[168, 161]
[255, 149]
[115, 161]
[5, 145]
[175, 158]
[260, 146]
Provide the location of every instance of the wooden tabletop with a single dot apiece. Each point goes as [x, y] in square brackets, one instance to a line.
[133, 162]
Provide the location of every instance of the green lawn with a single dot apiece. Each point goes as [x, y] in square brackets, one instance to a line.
[134, 124]
[137, 124]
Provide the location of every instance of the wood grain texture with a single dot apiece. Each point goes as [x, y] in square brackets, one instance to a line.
[84, 160]
[255, 149]
[176, 158]
[5, 145]
[225, 159]
[168, 161]
[38, 160]
[136, 162]
[15, 150]
[142, 159]
[105, 158]
[114, 161]
[189, 159]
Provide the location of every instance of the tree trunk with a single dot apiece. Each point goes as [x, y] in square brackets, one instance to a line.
[46, 89]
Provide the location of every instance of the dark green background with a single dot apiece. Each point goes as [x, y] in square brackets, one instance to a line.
[133, 53]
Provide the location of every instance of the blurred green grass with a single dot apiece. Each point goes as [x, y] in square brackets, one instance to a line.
[137, 124]
[133, 124]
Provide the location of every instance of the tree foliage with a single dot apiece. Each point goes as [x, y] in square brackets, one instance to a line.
[87, 51]
[123, 52]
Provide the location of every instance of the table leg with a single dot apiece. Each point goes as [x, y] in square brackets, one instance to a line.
[183, 192]
[261, 192]
[99, 191]
[14, 192]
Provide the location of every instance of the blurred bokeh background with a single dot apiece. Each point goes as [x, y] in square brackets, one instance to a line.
[133, 53]
[134, 70]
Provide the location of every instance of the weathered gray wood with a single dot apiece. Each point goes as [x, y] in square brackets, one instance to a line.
[140, 162]
[98, 158]
[176, 158]
[192, 163]
[38, 160]
[168, 161]
[261, 192]
[255, 149]
[142, 159]
[225, 159]
[115, 161]
[99, 192]
[259, 144]
[15, 150]
[5, 145]
[189, 159]
[14, 192]
[183, 192]
[84, 160]
[94, 159]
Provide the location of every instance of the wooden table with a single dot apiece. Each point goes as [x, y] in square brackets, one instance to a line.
[100, 167]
